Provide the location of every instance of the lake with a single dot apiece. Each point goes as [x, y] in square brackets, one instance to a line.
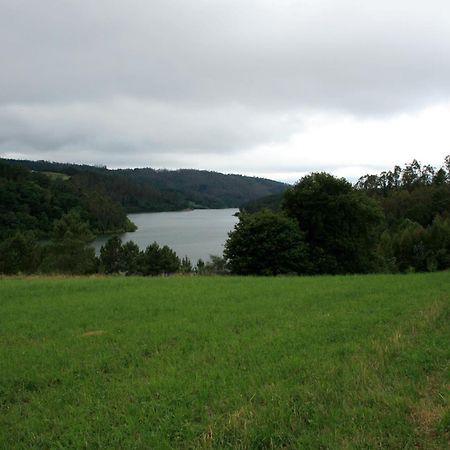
[195, 234]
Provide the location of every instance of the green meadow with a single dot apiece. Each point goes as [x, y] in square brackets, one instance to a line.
[351, 362]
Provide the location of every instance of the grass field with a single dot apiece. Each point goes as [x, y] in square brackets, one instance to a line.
[358, 362]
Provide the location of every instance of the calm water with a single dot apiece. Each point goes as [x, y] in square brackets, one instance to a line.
[195, 234]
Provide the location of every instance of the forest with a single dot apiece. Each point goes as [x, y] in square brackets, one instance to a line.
[152, 190]
[32, 201]
[396, 221]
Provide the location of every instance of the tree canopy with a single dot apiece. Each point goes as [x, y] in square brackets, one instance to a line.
[341, 225]
[266, 243]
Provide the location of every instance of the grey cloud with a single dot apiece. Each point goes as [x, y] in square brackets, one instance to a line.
[165, 82]
[283, 54]
[124, 125]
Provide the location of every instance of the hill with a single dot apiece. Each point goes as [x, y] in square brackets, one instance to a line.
[148, 190]
[32, 201]
[243, 363]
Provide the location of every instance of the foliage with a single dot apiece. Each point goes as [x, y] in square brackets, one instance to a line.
[341, 225]
[72, 228]
[149, 190]
[266, 243]
[272, 202]
[19, 253]
[356, 362]
[31, 201]
[395, 221]
[186, 266]
[156, 260]
[200, 267]
[413, 247]
[68, 251]
[416, 204]
[216, 265]
[111, 255]
[116, 257]
[417, 192]
[129, 258]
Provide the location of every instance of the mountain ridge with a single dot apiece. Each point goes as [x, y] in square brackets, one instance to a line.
[150, 190]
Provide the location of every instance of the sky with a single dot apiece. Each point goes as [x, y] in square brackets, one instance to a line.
[274, 89]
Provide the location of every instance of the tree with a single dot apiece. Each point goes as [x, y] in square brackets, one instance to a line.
[200, 267]
[156, 260]
[72, 228]
[19, 253]
[129, 258]
[111, 255]
[266, 243]
[406, 246]
[217, 265]
[186, 265]
[437, 241]
[341, 224]
[170, 263]
[69, 251]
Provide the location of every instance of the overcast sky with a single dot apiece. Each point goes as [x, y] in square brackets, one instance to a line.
[268, 88]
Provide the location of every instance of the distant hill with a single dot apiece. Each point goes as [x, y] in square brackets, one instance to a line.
[148, 190]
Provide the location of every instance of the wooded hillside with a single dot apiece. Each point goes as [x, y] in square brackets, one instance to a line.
[150, 190]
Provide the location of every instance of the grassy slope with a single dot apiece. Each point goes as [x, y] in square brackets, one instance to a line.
[325, 362]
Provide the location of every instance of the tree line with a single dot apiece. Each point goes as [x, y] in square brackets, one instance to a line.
[152, 190]
[69, 251]
[397, 221]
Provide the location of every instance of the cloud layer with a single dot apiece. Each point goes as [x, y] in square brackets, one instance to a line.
[271, 88]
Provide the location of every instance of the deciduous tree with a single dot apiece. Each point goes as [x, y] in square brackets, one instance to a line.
[266, 243]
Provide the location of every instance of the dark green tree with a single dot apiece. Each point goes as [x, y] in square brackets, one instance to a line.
[130, 258]
[156, 260]
[69, 252]
[170, 263]
[72, 228]
[149, 262]
[341, 224]
[111, 255]
[437, 240]
[266, 243]
[200, 267]
[19, 253]
[406, 246]
[186, 265]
